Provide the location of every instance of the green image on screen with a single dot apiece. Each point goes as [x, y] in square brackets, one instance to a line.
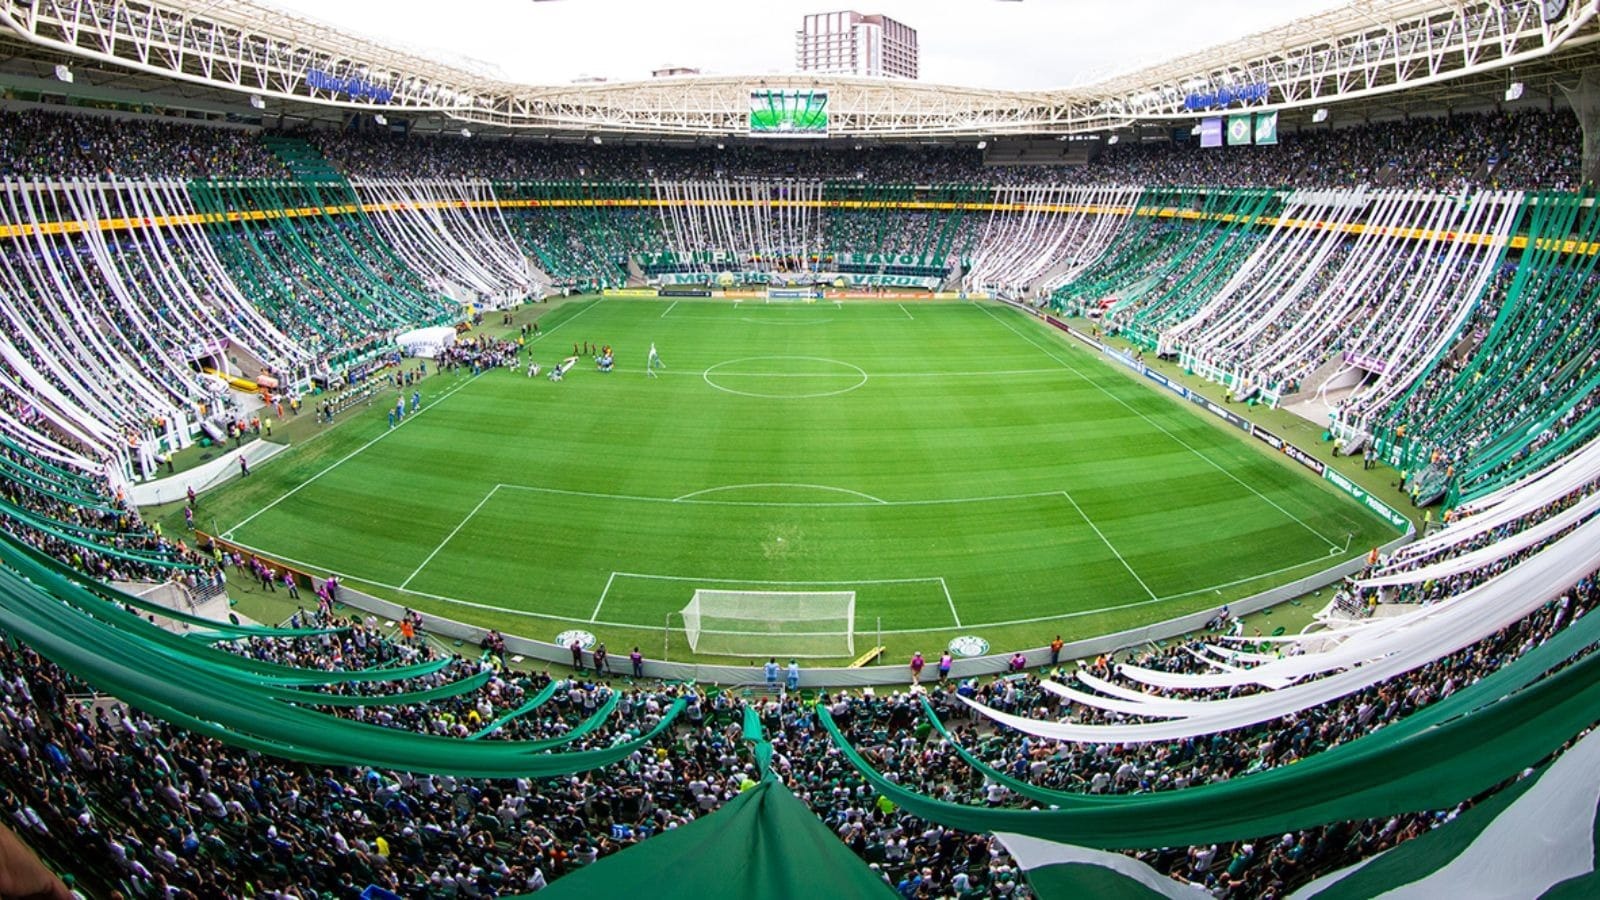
[789, 113]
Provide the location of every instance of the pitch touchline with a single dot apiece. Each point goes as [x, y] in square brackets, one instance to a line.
[447, 538]
[227, 535]
[472, 604]
[1107, 541]
[1208, 460]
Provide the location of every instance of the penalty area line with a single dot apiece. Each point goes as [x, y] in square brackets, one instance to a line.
[551, 617]
[1158, 426]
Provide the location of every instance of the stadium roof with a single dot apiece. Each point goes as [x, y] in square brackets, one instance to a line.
[212, 51]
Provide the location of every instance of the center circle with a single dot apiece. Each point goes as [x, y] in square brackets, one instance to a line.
[785, 377]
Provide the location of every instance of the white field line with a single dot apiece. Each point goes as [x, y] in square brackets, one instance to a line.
[779, 484]
[669, 308]
[950, 600]
[692, 499]
[595, 616]
[346, 458]
[907, 312]
[1107, 541]
[448, 537]
[832, 581]
[227, 535]
[1157, 425]
[964, 376]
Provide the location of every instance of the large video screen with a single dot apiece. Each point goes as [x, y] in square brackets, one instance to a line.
[775, 113]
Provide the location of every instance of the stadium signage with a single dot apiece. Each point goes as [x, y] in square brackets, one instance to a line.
[883, 259]
[1288, 449]
[1365, 499]
[968, 646]
[1304, 459]
[789, 113]
[584, 639]
[1266, 437]
[1166, 382]
[1124, 358]
[1224, 96]
[354, 87]
[1236, 421]
[1370, 363]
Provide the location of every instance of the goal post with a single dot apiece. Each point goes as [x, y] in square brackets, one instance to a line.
[800, 624]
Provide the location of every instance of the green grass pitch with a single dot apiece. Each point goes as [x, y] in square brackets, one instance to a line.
[961, 467]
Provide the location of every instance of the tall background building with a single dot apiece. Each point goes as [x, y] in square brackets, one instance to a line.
[849, 43]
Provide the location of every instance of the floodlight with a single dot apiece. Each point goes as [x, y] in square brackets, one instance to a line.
[257, 101]
[1514, 92]
[63, 74]
[1321, 115]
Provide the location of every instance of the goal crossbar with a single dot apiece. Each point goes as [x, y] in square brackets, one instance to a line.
[799, 624]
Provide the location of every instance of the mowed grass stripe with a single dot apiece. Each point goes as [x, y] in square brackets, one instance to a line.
[1177, 521]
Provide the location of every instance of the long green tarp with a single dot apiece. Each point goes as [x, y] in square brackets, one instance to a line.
[222, 702]
[1458, 747]
[537, 701]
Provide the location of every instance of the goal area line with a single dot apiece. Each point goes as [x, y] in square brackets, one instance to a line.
[943, 587]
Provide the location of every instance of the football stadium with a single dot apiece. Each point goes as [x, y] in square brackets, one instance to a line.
[893, 474]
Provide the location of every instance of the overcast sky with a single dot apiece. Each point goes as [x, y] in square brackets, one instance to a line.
[977, 43]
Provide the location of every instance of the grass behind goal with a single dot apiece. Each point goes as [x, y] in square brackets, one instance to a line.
[959, 467]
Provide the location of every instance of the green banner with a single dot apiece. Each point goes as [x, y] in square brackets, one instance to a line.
[1366, 499]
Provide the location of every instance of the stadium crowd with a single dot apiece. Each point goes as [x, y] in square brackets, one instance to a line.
[1531, 149]
[46, 143]
[171, 813]
[146, 809]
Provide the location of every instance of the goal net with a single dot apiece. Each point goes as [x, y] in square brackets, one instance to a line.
[804, 624]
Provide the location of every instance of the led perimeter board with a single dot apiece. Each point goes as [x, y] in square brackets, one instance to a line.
[775, 113]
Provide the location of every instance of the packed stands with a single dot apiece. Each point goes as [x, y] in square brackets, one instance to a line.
[1477, 370]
